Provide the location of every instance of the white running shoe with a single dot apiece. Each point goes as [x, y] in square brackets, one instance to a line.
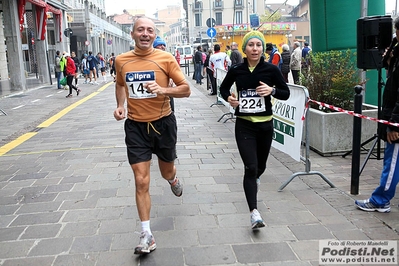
[256, 220]
[146, 245]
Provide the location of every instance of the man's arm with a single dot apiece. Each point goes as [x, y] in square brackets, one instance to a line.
[120, 94]
[181, 90]
[228, 60]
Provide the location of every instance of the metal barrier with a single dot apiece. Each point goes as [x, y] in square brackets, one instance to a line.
[307, 148]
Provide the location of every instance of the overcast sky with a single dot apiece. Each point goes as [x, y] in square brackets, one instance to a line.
[117, 6]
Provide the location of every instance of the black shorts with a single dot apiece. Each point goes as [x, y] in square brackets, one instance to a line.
[145, 138]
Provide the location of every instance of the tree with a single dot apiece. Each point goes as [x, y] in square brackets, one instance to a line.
[269, 16]
[331, 78]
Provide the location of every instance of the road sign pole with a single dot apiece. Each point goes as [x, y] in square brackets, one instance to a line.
[210, 11]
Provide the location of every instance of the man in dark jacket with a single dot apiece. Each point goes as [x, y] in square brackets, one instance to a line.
[286, 57]
[92, 63]
[235, 56]
[198, 64]
[380, 198]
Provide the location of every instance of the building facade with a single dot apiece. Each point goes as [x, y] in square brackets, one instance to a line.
[33, 30]
[232, 19]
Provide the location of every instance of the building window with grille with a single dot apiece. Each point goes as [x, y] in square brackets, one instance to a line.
[198, 20]
[238, 18]
[218, 18]
[198, 5]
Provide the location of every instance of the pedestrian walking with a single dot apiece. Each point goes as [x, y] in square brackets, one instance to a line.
[256, 81]
[57, 69]
[70, 72]
[102, 64]
[63, 64]
[177, 56]
[77, 65]
[111, 66]
[142, 78]
[85, 68]
[385, 191]
[92, 62]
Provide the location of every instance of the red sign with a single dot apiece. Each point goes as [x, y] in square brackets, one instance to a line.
[87, 43]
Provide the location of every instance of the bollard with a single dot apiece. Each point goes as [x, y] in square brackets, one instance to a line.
[356, 141]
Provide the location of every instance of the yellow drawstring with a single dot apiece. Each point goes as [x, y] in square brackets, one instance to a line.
[148, 128]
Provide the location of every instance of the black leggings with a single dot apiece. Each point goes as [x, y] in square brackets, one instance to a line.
[69, 82]
[253, 141]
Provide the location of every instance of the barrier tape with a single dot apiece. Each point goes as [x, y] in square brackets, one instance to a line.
[338, 109]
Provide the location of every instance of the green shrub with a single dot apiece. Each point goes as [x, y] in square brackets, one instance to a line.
[331, 78]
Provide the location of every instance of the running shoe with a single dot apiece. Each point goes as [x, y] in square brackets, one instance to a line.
[367, 206]
[146, 245]
[256, 220]
[177, 188]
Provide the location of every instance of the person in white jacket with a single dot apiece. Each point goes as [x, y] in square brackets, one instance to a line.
[296, 60]
[218, 60]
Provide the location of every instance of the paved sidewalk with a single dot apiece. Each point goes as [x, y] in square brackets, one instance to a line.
[67, 193]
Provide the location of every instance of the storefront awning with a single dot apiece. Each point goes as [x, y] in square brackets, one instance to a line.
[41, 18]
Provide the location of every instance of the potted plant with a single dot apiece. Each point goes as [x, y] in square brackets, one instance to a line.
[331, 78]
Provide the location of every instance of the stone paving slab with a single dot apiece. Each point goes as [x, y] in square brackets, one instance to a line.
[67, 193]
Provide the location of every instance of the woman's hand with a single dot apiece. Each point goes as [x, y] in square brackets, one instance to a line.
[263, 89]
[233, 101]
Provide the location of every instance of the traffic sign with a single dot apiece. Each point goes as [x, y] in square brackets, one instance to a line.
[68, 32]
[87, 43]
[209, 24]
[211, 32]
[254, 20]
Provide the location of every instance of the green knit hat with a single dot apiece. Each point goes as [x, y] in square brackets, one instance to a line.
[254, 34]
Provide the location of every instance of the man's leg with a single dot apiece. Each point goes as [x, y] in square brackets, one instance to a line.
[95, 74]
[142, 181]
[58, 74]
[143, 201]
[168, 172]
